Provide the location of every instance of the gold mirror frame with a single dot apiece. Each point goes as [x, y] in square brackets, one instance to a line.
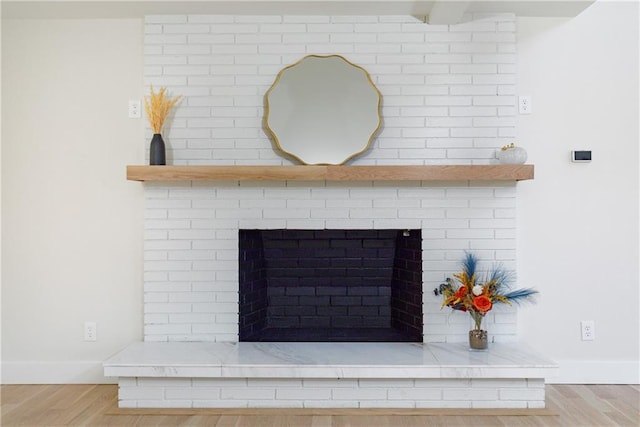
[323, 110]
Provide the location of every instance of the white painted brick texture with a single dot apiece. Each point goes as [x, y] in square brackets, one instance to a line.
[448, 98]
[438, 83]
[191, 270]
[330, 393]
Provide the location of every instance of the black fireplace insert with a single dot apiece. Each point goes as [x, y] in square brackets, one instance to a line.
[330, 285]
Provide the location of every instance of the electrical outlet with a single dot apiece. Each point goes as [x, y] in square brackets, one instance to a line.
[90, 331]
[524, 104]
[588, 330]
[134, 109]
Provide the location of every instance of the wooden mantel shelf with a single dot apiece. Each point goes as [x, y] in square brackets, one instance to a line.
[332, 173]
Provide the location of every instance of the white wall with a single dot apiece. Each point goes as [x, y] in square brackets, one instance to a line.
[72, 224]
[1, 191]
[578, 231]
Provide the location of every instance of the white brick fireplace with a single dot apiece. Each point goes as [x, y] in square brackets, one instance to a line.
[191, 244]
[448, 98]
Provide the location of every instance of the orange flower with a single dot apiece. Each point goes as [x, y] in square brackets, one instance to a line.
[462, 291]
[482, 303]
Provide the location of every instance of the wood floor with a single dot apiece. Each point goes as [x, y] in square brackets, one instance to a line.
[96, 405]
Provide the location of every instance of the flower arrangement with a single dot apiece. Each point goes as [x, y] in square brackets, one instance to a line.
[477, 296]
[157, 106]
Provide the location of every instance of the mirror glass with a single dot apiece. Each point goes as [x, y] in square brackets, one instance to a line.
[323, 110]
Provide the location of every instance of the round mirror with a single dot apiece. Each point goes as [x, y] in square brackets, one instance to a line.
[323, 110]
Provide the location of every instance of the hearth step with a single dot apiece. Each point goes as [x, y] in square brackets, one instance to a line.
[316, 375]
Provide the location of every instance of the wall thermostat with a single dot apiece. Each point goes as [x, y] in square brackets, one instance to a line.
[582, 156]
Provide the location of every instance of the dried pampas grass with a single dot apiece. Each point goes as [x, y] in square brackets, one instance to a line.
[157, 106]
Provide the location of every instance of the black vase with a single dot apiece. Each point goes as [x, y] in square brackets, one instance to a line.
[157, 151]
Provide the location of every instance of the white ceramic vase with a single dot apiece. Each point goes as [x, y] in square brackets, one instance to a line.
[512, 156]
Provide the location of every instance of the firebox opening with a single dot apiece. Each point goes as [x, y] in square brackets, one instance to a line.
[330, 285]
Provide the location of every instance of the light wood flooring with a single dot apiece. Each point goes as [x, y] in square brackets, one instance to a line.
[96, 405]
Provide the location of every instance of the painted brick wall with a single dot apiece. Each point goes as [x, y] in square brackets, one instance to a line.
[448, 91]
[448, 98]
[330, 393]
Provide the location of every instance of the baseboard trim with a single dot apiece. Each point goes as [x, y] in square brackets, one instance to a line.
[597, 372]
[34, 372]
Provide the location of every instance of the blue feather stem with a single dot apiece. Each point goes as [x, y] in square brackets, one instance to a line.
[520, 295]
[500, 275]
[469, 264]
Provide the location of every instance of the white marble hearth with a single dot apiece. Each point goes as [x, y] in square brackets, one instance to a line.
[314, 375]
